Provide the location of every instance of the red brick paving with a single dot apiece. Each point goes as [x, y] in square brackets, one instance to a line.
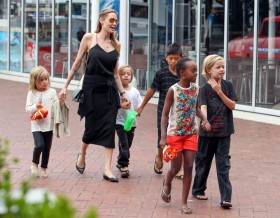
[255, 173]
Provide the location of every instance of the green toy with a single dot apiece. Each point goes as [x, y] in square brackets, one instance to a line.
[130, 120]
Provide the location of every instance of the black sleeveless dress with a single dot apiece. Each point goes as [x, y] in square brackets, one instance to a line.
[101, 98]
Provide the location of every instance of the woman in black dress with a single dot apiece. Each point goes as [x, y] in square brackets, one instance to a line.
[101, 85]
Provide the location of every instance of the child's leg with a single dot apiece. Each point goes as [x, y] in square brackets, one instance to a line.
[38, 145]
[171, 173]
[48, 136]
[188, 158]
[158, 165]
[223, 167]
[130, 137]
[180, 174]
[203, 160]
[123, 158]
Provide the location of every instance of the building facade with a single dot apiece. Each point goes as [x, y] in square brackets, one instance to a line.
[245, 33]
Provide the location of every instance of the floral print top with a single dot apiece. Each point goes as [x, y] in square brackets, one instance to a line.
[182, 113]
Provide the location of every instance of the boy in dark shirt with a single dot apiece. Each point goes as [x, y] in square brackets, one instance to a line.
[163, 80]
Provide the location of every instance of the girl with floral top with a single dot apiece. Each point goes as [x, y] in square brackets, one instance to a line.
[179, 112]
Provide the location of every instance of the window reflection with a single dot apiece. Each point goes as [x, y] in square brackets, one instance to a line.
[240, 49]
[212, 31]
[268, 74]
[139, 41]
[15, 36]
[185, 34]
[79, 15]
[161, 35]
[3, 34]
[61, 42]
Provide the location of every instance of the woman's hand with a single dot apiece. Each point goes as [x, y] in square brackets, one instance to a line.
[125, 105]
[124, 98]
[62, 94]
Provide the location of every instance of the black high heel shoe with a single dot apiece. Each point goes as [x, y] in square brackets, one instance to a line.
[80, 169]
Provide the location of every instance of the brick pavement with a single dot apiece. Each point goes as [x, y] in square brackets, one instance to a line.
[255, 173]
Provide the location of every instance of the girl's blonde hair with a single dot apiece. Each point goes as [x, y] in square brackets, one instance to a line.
[121, 69]
[102, 16]
[208, 63]
[35, 75]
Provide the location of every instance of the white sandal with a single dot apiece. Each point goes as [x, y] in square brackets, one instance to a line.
[34, 171]
[44, 174]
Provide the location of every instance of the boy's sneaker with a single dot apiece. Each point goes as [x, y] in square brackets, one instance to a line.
[124, 171]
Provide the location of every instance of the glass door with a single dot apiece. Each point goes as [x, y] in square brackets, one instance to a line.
[138, 41]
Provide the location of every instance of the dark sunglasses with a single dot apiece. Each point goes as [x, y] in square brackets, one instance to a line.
[113, 20]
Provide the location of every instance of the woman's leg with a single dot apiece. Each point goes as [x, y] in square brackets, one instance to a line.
[81, 162]
[108, 160]
[188, 157]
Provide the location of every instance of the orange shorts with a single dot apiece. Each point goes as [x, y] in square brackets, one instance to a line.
[183, 142]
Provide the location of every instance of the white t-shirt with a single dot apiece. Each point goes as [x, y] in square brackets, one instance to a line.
[136, 100]
[48, 98]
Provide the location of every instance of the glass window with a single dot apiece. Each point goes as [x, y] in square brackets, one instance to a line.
[79, 15]
[240, 49]
[138, 41]
[15, 36]
[212, 31]
[3, 34]
[45, 33]
[140, 11]
[161, 35]
[213, 27]
[185, 30]
[29, 36]
[268, 74]
[61, 42]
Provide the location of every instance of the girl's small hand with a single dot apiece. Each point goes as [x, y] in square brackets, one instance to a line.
[62, 94]
[215, 85]
[38, 103]
[206, 125]
[162, 142]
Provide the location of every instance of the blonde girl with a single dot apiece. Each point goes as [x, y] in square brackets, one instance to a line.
[40, 95]
[217, 100]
